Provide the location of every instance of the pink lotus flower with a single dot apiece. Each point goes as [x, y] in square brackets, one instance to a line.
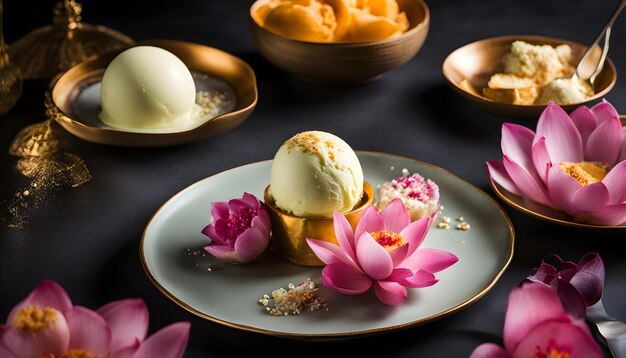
[536, 325]
[240, 230]
[382, 252]
[577, 285]
[47, 324]
[573, 164]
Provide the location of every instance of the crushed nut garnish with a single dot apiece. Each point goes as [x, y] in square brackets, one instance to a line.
[444, 223]
[463, 226]
[405, 172]
[293, 300]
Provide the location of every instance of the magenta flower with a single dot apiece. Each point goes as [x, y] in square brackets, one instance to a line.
[536, 325]
[573, 164]
[47, 324]
[240, 230]
[577, 285]
[382, 252]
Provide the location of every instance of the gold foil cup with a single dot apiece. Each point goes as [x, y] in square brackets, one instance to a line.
[289, 232]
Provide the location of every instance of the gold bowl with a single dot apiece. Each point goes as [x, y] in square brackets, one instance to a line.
[344, 63]
[477, 61]
[289, 232]
[61, 99]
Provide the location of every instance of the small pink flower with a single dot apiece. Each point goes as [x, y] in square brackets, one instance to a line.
[573, 164]
[382, 252]
[536, 325]
[46, 324]
[240, 230]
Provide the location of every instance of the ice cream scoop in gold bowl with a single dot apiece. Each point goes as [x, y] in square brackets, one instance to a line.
[510, 75]
[339, 42]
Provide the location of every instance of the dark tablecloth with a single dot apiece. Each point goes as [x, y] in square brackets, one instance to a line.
[87, 238]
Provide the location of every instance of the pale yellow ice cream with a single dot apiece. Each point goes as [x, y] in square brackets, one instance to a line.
[565, 91]
[314, 174]
[147, 88]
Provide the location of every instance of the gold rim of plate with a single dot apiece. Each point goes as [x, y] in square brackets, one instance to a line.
[482, 58]
[440, 315]
[543, 212]
[198, 58]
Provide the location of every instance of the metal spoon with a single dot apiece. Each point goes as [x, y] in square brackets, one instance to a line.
[606, 33]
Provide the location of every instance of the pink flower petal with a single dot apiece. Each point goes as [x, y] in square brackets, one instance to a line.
[4, 351]
[591, 197]
[329, 253]
[622, 156]
[373, 259]
[615, 182]
[219, 210]
[420, 279]
[398, 255]
[529, 187]
[395, 216]
[415, 233]
[529, 305]
[54, 339]
[344, 235]
[589, 277]
[369, 222]
[432, 260]
[128, 352]
[222, 252]
[517, 142]
[605, 142]
[585, 121]
[562, 188]
[604, 111]
[250, 244]
[251, 200]
[562, 338]
[237, 205]
[47, 294]
[345, 279]
[489, 350]
[562, 138]
[399, 274]
[209, 231]
[390, 293]
[128, 321]
[169, 342]
[262, 220]
[541, 159]
[497, 173]
[88, 331]
[610, 215]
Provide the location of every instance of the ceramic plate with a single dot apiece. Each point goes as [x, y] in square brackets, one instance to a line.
[172, 256]
[74, 99]
[544, 212]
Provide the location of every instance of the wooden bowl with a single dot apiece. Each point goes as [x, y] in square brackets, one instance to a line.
[344, 63]
[477, 61]
[63, 97]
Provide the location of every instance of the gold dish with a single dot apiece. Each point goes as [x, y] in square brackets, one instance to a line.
[200, 59]
[544, 212]
[344, 63]
[289, 232]
[477, 61]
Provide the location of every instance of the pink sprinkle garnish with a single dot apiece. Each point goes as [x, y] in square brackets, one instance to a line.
[419, 189]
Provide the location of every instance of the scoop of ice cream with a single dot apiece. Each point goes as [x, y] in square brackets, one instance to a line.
[314, 174]
[542, 63]
[564, 91]
[147, 88]
[307, 20]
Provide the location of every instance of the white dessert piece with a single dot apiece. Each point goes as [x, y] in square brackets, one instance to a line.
[420, 196]
[147, 88]
[314, 174]
[565, 91]
[542, 63]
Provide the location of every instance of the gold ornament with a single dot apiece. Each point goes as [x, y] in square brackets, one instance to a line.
[10, 75]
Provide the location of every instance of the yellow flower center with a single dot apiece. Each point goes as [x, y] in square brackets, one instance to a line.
[553, 353]
[76, 354]
[388, 239]
[34, 319]
[585, 172]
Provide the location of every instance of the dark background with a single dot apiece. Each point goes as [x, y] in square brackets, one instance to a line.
[87, 238]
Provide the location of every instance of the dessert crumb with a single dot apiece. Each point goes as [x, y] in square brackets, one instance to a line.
[293, 300]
